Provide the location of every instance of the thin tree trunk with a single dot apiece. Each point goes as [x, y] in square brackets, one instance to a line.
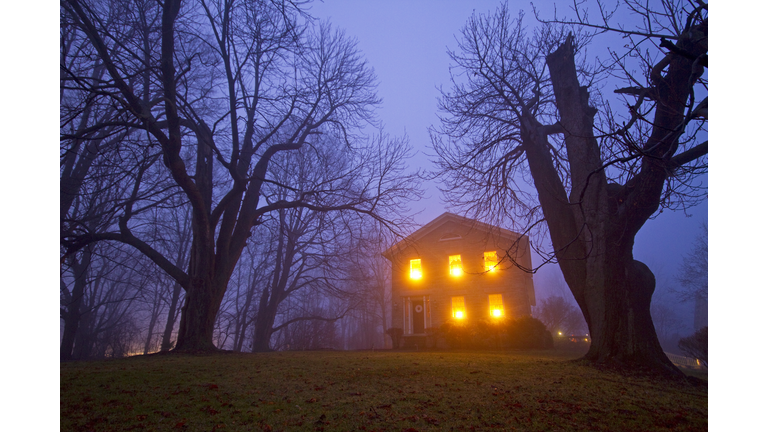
[265, 318]
[73, 314]
[242, 323]
[152, 321]
[171, 320]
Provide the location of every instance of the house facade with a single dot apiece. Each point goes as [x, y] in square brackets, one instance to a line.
[455, 268]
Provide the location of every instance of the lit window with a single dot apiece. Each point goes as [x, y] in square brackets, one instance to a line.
[491, 261]
[415, 269]
[454, 263]
[457, 308]
[496, 305]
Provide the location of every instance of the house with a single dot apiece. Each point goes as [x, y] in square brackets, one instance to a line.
[455, 268]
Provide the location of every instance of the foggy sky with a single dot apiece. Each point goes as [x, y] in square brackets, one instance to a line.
[406, 43]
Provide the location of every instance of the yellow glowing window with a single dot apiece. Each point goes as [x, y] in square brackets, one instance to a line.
[496, 305]
[454, 263]
[491, 261]
[415, 269]
[457, 308]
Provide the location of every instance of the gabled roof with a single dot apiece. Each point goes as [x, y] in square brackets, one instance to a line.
[444, 218]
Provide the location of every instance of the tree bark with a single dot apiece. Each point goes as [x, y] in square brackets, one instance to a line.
[593, 231]
[198, 316]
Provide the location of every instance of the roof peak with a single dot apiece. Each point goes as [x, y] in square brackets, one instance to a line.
[442, 219]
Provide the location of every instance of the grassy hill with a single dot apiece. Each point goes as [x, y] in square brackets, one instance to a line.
[386, 391]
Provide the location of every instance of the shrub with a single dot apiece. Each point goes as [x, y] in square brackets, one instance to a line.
[696, 345]
[489, 333]
[396, 334]
[457, 335]
[528, 333]
[433, 333]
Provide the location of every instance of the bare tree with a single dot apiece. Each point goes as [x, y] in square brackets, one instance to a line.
[697, 345]
[522, 110]
[560, 316]
[370, 272]
[694, 279]
[307, 258]
[251, 276]
[109, 324]
[665, 321]
[217, 89]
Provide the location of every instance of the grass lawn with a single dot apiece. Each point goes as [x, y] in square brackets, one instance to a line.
[388, 391]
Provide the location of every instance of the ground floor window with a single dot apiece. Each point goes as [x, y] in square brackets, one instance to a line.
[496, 305]
[458, 310]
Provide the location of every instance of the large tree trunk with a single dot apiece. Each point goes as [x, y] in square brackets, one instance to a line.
[198, 317]
[617, 305]
[593, 229]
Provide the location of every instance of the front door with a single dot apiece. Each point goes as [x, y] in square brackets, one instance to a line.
[418, 316]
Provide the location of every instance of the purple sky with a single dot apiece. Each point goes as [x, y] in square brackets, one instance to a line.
[406, 43]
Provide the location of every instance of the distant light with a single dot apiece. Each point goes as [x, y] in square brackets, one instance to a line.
[456, 271]
[559, 333]
[415, 274]
[459, 314]
[496, 313]
[586, 340]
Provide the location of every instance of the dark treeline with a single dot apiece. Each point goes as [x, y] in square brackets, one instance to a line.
[224, 182]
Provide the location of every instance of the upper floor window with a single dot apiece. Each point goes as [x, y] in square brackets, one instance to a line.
[491, 261]
[416, 269]
[454, 264]
[496, 305]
